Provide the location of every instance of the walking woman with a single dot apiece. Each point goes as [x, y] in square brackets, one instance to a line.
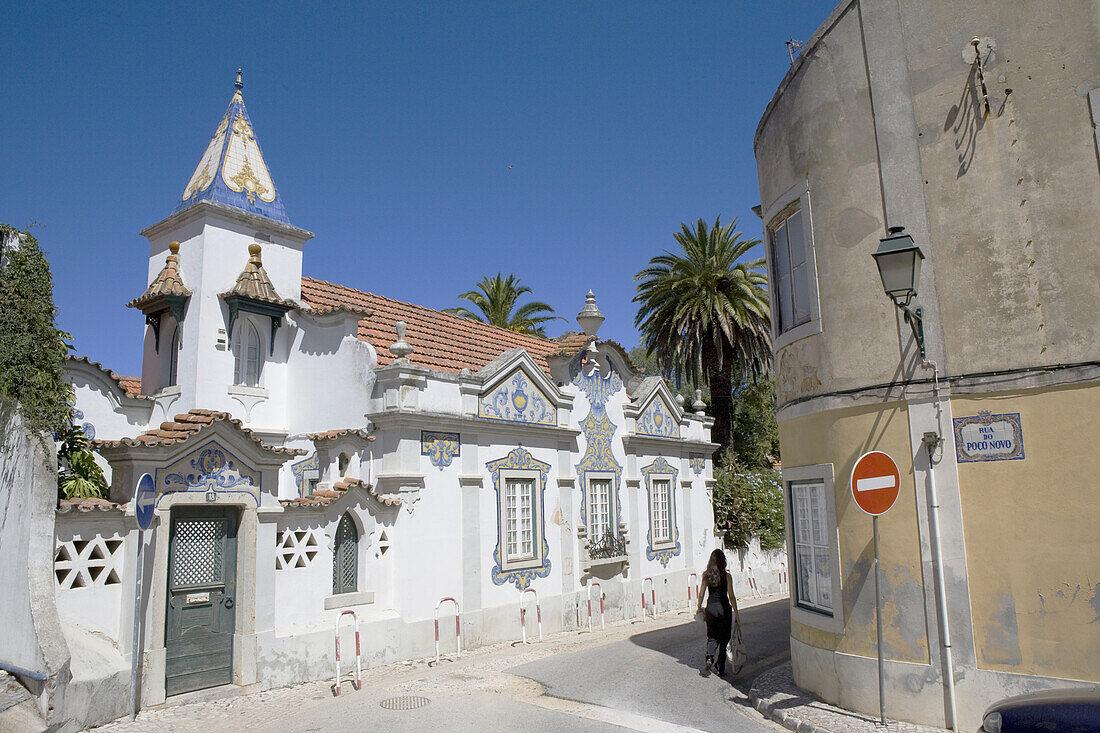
[721, 611]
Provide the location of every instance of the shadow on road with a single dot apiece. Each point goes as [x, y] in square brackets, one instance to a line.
[766, 630]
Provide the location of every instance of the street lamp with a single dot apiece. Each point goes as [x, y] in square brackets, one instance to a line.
[898, 259]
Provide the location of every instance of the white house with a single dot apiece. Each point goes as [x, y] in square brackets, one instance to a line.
[317, 449]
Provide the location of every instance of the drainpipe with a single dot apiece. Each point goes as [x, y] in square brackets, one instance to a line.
[930, 441]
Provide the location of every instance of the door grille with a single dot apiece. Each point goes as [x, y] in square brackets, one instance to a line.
[198, 558]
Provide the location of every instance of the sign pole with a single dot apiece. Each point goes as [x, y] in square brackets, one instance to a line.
[135, 652]
[875, 484]
[878, 627]
[144, 505]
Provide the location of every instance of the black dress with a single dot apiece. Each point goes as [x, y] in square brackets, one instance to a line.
[719, 617]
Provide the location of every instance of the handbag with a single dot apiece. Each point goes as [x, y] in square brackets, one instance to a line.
[737, 653]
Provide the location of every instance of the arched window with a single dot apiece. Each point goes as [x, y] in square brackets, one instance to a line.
[342, 464]
[173, 355]
[248, 359]
[345, 557]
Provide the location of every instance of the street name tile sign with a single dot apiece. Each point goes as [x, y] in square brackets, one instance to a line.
[989, 437]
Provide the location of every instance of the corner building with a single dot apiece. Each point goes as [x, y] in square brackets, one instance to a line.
[988, 155]
[317, 449]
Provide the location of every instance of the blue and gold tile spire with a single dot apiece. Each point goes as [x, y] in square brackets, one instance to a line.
[232, 170]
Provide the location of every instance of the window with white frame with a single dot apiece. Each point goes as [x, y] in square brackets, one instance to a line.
[812, 548]
[661, 511]
[792, 268]
[599, 509]
[248, 359]
[791, 264]
[519, 519]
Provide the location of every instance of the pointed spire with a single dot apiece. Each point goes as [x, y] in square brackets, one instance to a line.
[232, 171]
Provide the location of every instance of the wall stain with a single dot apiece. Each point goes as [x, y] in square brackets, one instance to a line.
[1002, 642]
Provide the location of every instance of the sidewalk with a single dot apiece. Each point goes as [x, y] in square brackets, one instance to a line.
[774, 694]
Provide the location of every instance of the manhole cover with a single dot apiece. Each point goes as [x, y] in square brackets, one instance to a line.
[404, 702]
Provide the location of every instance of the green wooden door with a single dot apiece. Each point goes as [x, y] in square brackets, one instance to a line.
[202, 565]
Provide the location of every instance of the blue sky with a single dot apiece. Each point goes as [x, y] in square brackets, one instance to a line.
[426, 144]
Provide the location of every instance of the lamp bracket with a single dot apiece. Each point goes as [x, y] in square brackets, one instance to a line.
[915, 318]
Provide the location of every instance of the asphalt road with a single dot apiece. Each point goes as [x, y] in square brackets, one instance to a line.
[640, 677]
[658, 673]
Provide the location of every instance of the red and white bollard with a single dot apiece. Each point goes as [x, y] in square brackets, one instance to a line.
[693, 587]
[653, 598]
[523, 612]
[458, 627]
[782, 573]
[358, 684]
[752, 583]
[590, 584]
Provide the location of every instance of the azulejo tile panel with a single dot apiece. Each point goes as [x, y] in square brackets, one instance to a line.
[302, 472]
[521, 460]
[210, 469]
[698, 463]
[668, 550]
[658, 420]
[440, 448]
[599, 432]
[518, 399]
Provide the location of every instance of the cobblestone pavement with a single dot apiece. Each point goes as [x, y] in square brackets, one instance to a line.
[774, 694]
[11, 692]
[479, 673]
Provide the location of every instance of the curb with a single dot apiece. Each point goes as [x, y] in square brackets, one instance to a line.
[783, 717]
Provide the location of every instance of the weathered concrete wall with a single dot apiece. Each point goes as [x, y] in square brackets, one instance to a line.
[1013, 198]
[847, 435]
[1005, 206]
[28, 493]
[882, 121]
[1031, 538]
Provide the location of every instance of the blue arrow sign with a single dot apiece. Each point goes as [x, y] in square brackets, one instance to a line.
[144, 501]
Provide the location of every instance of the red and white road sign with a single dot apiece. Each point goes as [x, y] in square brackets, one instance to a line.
[876, 482]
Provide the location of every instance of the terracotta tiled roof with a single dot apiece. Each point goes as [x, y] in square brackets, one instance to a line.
[253, 282]
[324, 497]
[130, 385]
[184, 426]
[441, 341]
[333, 434]
[168, 282]
[88, 505]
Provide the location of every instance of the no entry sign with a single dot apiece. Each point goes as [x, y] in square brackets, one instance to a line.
[876, 482]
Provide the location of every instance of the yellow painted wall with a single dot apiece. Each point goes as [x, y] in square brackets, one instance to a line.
[839, 437]
[1032, 532]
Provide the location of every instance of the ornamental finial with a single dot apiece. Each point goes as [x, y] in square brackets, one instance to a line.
[239, 84]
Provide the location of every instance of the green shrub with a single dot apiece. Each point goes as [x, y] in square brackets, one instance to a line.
[748, 503]
[32, 350]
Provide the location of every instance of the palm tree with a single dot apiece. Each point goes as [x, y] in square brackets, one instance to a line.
[702, 311]
[497, 298]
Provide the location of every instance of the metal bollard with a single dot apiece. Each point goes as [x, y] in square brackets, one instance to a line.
[523, 612]
[458, 626]
[358, 684]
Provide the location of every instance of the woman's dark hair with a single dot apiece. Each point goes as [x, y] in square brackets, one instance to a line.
[716, 569]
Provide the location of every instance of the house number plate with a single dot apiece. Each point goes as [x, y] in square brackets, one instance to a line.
[198, 598]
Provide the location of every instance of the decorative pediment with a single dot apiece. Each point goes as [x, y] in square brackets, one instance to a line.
[519, 397]
[658, 419]
[210, 469]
